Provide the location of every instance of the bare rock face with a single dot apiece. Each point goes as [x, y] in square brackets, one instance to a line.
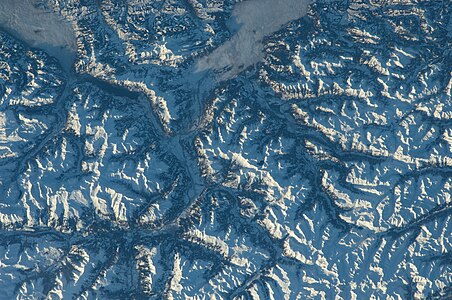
[217, 149]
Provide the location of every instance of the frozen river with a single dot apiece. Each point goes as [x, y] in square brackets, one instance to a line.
[39, 28]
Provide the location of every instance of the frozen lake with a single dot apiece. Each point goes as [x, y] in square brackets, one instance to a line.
[257, 19]
[39, 28]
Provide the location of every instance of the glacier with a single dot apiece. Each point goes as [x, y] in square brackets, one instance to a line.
[223, 149]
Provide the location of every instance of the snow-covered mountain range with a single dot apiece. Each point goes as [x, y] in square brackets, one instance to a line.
[221, 149]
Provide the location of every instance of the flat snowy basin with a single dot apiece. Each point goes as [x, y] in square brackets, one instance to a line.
[39, 28]
[257, 19]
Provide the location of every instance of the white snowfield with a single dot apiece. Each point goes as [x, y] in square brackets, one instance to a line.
[256, 19]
